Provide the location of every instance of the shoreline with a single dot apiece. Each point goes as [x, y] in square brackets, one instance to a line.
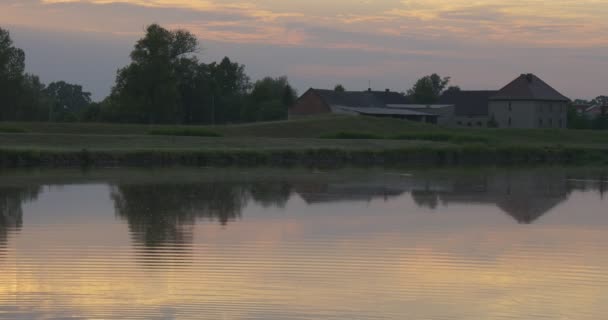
[465, 155]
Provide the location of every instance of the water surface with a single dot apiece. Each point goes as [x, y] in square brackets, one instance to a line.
[300, 244]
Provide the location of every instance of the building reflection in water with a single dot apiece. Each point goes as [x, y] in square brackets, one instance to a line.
[524, 196]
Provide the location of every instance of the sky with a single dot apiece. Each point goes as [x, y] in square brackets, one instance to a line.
[481, 44]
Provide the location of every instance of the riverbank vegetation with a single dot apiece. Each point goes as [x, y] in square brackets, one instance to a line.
[346, 140]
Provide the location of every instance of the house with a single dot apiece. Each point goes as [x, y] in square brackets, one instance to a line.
[368, 103]
[526, 102]
[470, 107]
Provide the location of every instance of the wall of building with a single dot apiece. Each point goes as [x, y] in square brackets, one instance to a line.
[552, 115]
[513, 114]
[308, 104]
[529, 114]
[445, 113]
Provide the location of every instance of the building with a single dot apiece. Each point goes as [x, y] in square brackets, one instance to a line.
[470, 107]
[528, 102]
[385, 104]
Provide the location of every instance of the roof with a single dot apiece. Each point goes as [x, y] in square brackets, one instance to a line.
[361, 99]
[385, 111]
[468, 103]
[390, 97]
[529, 87]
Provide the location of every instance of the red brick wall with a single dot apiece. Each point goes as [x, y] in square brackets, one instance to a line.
[309, 104]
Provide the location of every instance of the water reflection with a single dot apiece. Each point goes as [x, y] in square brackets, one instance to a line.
[11, 209]
[164, 214]
[525, 196]
[161, 214]
[345, 245]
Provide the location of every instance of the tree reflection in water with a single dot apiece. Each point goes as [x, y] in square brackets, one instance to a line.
[160, 214]
[11, 209]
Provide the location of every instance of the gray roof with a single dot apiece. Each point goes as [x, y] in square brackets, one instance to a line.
[529, 87]
[361, 99]
[390, 97]
[385, 111]
[468, 103]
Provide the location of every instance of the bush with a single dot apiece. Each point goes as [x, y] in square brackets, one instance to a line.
[351, 135]
[185, 132]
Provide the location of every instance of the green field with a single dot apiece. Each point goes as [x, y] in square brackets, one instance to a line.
[350, 134]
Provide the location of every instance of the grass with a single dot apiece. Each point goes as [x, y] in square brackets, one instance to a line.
[11, 129]
[345, 139]
[417, 136]
[184, 132]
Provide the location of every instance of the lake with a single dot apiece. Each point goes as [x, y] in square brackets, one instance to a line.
[304, 244]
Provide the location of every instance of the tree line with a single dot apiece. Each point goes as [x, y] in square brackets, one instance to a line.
[165, 83]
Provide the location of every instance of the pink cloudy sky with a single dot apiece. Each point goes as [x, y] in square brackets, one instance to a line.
[482, 44]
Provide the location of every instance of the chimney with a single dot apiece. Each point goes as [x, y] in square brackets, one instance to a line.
[529, 77]
[388, 90]
[369, 89]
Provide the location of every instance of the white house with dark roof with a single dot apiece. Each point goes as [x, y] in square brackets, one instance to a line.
[528, 102]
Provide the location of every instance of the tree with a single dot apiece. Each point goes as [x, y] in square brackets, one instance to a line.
[600, 100]
[229, 84]
[453, 89]
[428, 89]
[269, 100]
[68, 101]
[12, 73]
[339, 88]
[147, 90]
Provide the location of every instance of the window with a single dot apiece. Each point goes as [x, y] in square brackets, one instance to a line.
[510, 106]
[479, 124]
[469, 124]
[459, 123]
[540, 122]
[510, 121]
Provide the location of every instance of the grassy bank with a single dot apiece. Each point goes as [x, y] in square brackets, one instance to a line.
[322, 141]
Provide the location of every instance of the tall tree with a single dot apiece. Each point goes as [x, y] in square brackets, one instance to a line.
[148, 88]
[428, 89]
[230, 85]
[339, 88]
[12, 72]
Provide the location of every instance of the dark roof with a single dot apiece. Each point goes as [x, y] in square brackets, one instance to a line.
[529, 87]
[349, 98]
[390, 97]
[361, 99]
[468, 103]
